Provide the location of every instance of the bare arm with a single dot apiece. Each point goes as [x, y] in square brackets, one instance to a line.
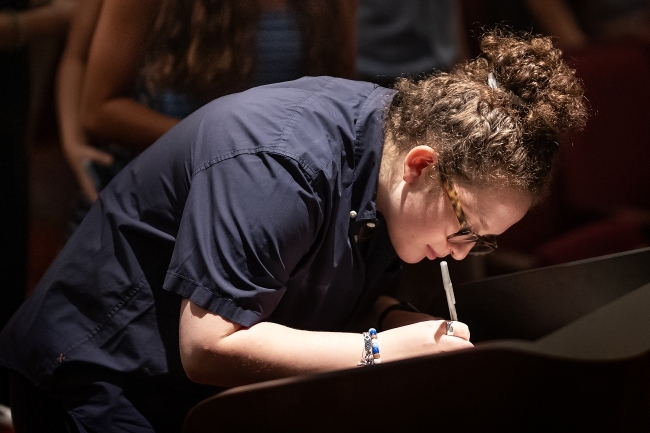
[219, 352]
[70, 77]
[349, 48]
[19, 28]
[556, 19]
[115, 59]
[461, 36]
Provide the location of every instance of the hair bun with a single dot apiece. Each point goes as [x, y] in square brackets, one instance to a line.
[531, 68]
[494, 119]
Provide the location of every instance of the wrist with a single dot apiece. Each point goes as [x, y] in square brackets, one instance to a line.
[371, 353]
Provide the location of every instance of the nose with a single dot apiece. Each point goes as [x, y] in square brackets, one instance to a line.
[460, 251]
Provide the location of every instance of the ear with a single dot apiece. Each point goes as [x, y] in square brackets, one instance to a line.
[416, 160]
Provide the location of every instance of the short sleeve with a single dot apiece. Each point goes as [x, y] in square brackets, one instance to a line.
[248, 221]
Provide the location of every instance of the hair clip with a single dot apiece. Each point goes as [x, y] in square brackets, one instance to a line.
[494, 84]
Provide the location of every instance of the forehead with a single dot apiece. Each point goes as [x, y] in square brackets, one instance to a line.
[494, 209]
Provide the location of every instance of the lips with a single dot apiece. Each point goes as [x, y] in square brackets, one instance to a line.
[431, 255]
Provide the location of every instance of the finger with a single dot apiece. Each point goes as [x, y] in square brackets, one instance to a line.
[448, 343]
[98, 156]
[453, 328]
[86, 183]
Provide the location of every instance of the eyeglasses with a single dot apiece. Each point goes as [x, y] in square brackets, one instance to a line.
[484, 243]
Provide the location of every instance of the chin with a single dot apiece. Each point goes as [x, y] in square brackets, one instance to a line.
[411, 257]
[413, 261]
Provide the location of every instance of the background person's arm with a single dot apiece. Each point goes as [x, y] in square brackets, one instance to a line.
[116, 56]
[556, 19]
[72, 67]
[219, 352]
[19, 28]
[349, 48]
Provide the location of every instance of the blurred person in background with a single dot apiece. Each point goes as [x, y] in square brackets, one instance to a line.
[409, 38]
[577, 23]
[21, 23]
[176, 56]
[71, 72]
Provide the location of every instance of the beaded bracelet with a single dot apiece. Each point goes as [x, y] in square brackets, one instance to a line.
[370, 354]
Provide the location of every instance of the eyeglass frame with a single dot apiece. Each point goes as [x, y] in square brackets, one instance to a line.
[484, 244]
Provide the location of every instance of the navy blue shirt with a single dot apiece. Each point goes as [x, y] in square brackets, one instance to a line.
[255, 207]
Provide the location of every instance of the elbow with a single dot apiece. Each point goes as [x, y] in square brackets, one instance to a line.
[206, 355]
[91, 121]
[195, 360]
[205, 364]
[93, 113]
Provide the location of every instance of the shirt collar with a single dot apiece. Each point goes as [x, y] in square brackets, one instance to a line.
[368, 147]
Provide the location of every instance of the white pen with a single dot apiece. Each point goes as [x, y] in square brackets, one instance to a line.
[449, 291]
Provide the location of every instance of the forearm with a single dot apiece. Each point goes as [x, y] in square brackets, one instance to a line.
[349, 49]
[219, 352]
[556, 19]
[127, 121]
[72, 70]
[268, 351]
[47, 20]
[113, 68]
[68, 100]
[36, 23]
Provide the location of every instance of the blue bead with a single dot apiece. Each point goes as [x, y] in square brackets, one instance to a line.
[372, 331]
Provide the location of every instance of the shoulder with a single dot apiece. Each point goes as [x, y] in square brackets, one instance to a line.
[282, 100]
[312, 114]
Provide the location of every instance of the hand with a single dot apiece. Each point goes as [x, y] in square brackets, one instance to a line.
[423, 338]
[79, 154]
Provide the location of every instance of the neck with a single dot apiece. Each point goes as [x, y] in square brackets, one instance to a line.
[388, 175]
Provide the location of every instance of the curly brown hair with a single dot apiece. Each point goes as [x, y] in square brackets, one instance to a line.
[508, 131]
[205, 48]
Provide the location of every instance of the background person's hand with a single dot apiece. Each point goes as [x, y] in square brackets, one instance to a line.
[79, 155]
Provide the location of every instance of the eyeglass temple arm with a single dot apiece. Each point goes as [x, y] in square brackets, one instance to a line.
[455, 200]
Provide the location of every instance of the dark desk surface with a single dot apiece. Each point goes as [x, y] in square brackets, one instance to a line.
[581, 362]
[531, 304]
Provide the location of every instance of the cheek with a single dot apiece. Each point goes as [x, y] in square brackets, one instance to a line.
[408, 245]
